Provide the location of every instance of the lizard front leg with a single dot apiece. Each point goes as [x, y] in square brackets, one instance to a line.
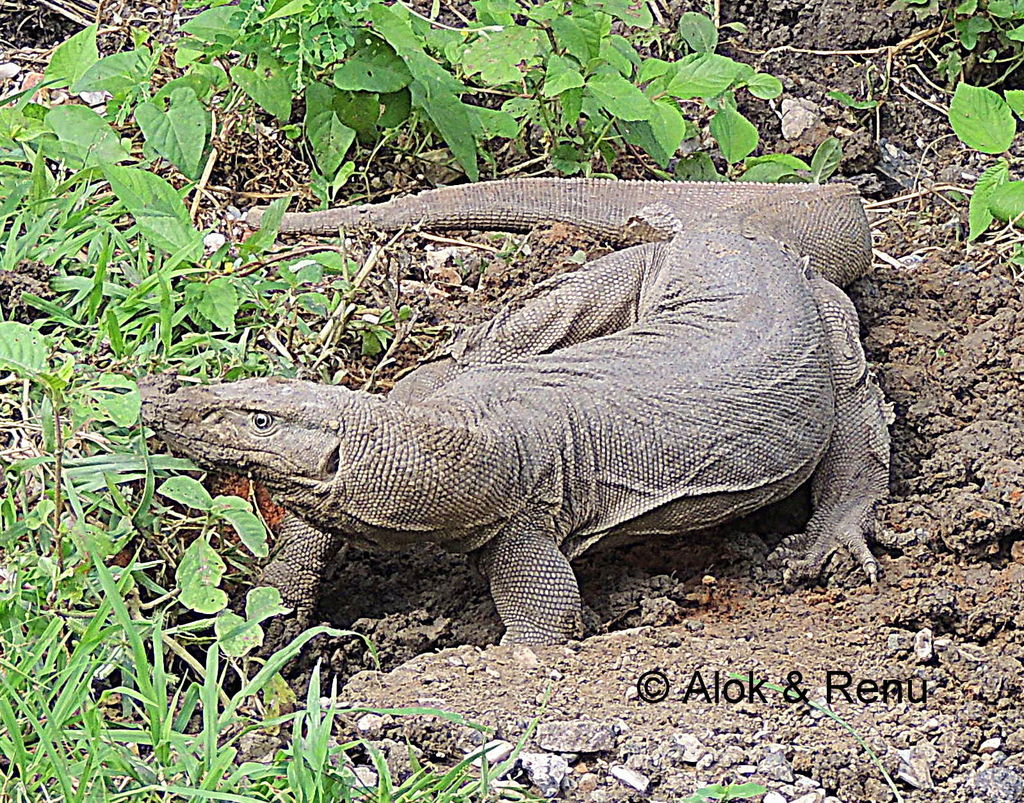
[296, 570]
[533, 585]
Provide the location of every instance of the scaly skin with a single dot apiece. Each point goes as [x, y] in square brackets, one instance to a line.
[666, 387]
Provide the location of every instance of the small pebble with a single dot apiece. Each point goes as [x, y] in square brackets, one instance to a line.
[923, 648]
[634, 780]
[773, 797]
[213, 241]
[546, 771]
[495, 752]
[9, 69]
[990, 745]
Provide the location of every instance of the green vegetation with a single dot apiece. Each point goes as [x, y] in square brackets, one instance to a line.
[728, 792]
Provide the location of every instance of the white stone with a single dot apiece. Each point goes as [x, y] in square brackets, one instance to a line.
[546, 771]
[773, 797]
[9, 69]
[798, 115]
[631, 778]
[494, 751]
[213, 241]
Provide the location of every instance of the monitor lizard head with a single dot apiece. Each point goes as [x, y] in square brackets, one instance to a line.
[287, 434]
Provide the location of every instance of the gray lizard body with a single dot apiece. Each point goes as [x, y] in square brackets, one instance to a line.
[663, 388]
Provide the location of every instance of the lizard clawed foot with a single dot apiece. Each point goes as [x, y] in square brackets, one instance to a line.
[803, 557]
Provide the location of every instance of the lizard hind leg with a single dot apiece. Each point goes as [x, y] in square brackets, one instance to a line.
[853, 475]
[533, 585]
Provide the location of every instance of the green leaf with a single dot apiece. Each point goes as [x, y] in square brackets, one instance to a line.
[735, 134]
[373, 68]
[236, 635]
[979, 215]
[22, 349]
[85, 137]
[117, 74]
[396, 107]
[848, 100]
[1007, 201]
[1016, 34]
[157, 209]
[703, 75]
[826, 159]
[496, 123]
[661, 134]
[329, 136]
[117, 399]
[218, 302]
[285, 8]
[178, 133]
[636, 14]
[619, 97]
[970, 29]
[221, 24]
[497, 56]
[1015, 100]
[699, 32]
[249, 528]
[73, 57]
[270, 85]
[562, 73]
[764, 86]
[186, 491]
[774, 167]
[697, 167]
[981, 119]
[198, 576]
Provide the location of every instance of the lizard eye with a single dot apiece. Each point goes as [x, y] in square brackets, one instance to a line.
[262, 422]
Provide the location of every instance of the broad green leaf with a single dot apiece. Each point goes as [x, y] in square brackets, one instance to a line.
[179, 132]
[632, 13]
[1016, 34]
[373, 68]
[250, 529]
[764, 86]
[562, 73]
[1015, 100]
[262, 603]
[826, 159]
[286, 8]
[575, 39]
[981, 119]
[85, 137]
[703, 75]
[1007, 201]
[496, 123]
[734, 133]
[235, 635]
[117, 74]
[661, 134]
[117, 399]
[186, 491]
[774, 167]
[198, 576]
[22, 349]
[395, 108]
[157, 209]
[699, 32]
[329, 136]
[218, 303]
[73, 57]
[697, 167]
[270, 85]
[979, 214]
[970, 29]
[220, 24]
[1006, 9]
[497, 56]
[619, 97]
[452, 119]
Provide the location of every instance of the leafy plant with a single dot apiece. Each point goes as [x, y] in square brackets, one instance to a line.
[985, 121]
[727, 792]
[987, 35]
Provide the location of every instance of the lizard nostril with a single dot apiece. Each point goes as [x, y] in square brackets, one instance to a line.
[333, 462]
